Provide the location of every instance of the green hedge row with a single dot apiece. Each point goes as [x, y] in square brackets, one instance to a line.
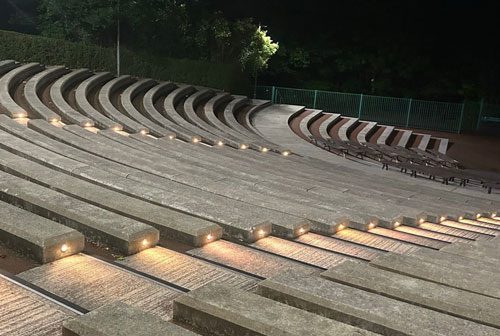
[34, 48]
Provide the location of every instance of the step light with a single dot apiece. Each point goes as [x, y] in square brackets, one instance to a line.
[64, 248]
[209, 237]
[371, 225]
[264, 150]
[171, 136]
[285, 153]
[396, 224]
[195, 139]
[219, 143]
[442, 219]
[143, 132]
[243, 146]
[144, 242]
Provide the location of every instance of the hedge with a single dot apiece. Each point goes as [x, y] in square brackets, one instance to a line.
[34, 48]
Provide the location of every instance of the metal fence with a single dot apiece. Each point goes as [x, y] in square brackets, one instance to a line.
[404, 112]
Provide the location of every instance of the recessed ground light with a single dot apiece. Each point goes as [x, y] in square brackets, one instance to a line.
[143, 132]
[261, 232]
[243, 146]
[442, 219]
[64, 248]
[20, 115]
[421, 221]
[144, 242]
[341, 226]
[494, 214]
[87, 124]
[171, 136]
[195, 140]
[285, 153]
[264, 150]
[461, 217]
[478, 216]
[301, 230]
[396, 224]
[116, 128]
[371, 225]
[219, 143]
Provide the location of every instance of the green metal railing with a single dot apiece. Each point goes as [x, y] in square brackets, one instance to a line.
[404, 112]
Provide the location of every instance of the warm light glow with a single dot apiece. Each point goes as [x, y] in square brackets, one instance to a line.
[243, 146]
[195, 140]
[478, 216]
[209, 237]
[461, 217]
[219, 143]
[87, 124]
[143, 132]
[301, 230]
[396, 224]
[371, 225]
[341, 226]
[171, 136]
[285, 153]
[54, 120]
[116, 128]
[442, 218]
[264, 150]
[421, 220]
[261, 232]
[64, 248]
[493, 214]
[144, 242]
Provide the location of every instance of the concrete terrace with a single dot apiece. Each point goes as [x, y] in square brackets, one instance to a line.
[170, 209]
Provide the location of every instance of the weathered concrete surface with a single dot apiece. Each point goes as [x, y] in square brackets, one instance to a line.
[9, 81]
[24, 313]
[382, 139]
[107, 107]
[61, 105]
[83, 103]
[124, 234]
[327, 124]
[363, 309]
[34, 86]
[35, 236]
[117, 319]
[476, 251]
[228, 311]
[441, 257]
[456, 276]
[419, 292]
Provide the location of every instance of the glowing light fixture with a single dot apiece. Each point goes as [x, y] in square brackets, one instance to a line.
[301, 230]
[493, 214]
[195, 139]
[144, 242]
[87, 124]
[209, 237]
[143, 132]
[264, 150]
[243, 146]
[396, 224]
[478, 216]
[371, 225]
[261, 232]
[171, 136]
[285, 153]
[116, 128]
[64, 248]
[442, 218]
[421, 221]
[219, 143]
[461, 217]
[341, 226]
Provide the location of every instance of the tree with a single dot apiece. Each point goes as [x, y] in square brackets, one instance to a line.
[256, 54]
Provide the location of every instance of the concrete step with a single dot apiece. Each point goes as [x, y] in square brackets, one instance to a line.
[455, 276]
[92, 283]
[184, 270]
[39, 238]
[363, 135]
[421, 241]
[119, 318]
[61, 105]
[84, 105]
[228, 311]
[357, 307]
[246, 259]
[482, 223]
[300, 252]
[430, 234]
[339, 246]
[375, 241]
[123, 234]
[474, 251]
[471, 226]
[171, 224]
[307, 121]
[26, 313]
[453, 301]
[346, 128]
[327, 124]
[452, 231]
[382, 139]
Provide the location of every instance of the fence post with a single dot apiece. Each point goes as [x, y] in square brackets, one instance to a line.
[360, 106]
[273, 90]
[461, 118]
[480, 116]
[315, 97]
[408, 113]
